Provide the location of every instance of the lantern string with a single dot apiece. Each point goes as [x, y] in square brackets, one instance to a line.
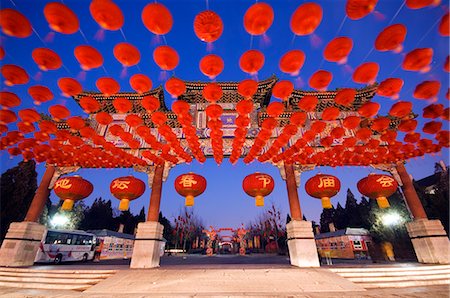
[396, 14]
[123, 34]
[428, 32]
[84, 36]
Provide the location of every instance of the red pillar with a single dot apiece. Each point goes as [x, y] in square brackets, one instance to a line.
[155, 197]
[411, 197]
[40, 197]
[291, 185]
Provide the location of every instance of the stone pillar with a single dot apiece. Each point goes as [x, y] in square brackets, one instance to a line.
[301, 242]
[428, 237]
[22, 241]
[149, 243]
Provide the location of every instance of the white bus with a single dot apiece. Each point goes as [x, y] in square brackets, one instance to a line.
[66, 245]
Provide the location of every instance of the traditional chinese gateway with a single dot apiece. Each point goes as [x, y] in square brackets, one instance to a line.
[229, 119]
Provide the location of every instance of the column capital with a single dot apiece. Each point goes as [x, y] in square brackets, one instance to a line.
[392, 169]
[60, 171]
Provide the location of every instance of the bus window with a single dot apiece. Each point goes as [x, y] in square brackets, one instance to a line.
[51, 237]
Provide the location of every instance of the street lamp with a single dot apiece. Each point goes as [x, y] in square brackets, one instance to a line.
[59, 220]
[391, 219]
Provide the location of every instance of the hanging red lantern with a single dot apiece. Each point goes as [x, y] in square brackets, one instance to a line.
[150, 103]
[432, 127]
[320, 80]
[89, 104]
[427, 90]
[159, 118]
[88, 57]
[29, 115]
[190, 185]
[401, 109]
[258, 18]
[433, 111]
[71, 189]
[323, 187]
[444, 25]
[391, 38]
[358, 9]
[107, 14]
[379, 187]
[283, 89]
[126, 189]
[345, 96]
[14, 23]
[2, 53]
[214, 111]
[122, 105]
[212, 92]
[351, 122]
[103, 118]
[61, 18]
[107, 86]
[127, 54]
[244, 107]
[208, 26]
[211, 65]
[166, 57]
[76, 123]
[180, 108]
[69, 87]
[46, 59]
[306, 18]
[258, 185]
[369, 109]
[418, 60]
[380, 124]
[292, 61]
[417, 4]
[407, 125]
[390, 87]
[157, 18]
[40, 94]
[7, 116]
[366, 73]
[330, 113]
[308, 103]
[140, 83]
[14, 75]
[274, 109]
[247, 88]
[175, 87]
[251, 61]
[338, 49]
[337, 132]
[298, 118]
[9, 100]
[59, 112]
[133, 120]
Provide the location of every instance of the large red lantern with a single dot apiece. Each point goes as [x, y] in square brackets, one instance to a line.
[71, 189]
[126, 189]
[190, 185]
[258, 185]
[323, 187]
[379, 187]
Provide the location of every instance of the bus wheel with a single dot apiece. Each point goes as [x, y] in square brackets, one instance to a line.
[85, 257]
[58, 259]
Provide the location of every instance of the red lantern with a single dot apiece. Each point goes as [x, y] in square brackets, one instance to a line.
[330, 114]
[211, 65]
[247, 88]
[208, 26]
[212, 92]
[338, 49]
[320, 80]
[391, 38]
[107, 86]
[306, 18]
[103, 118]
[126, 189]
[175, 87]
[379, 187]
[323, 187]
[251, 61]
[366, 73]
[71, 189]
[107, 14]
[358, 9]
[88, 57]
[190, 185]
[150, 103]
[157, 18]
[40, 94]
[258, 18]
[274, 109]
[69, 87]
[427, 89]
[61, 18]
[418, 60]
[127, 54]
[258, 185]
[122, 105]
[140, 83]
[308, 103]
[444, 24]
[390, 87]
[283, 89]
[166, 57]
[14, 23]
[9, 100]
[46, 59]
[345, 96]
[292, 62]
[14, 75]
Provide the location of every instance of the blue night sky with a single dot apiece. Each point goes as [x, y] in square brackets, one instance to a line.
[224, 204]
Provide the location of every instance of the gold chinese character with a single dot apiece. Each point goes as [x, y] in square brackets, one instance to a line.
[326, 182]
[187, 181]
[120, 184]
[385, 181]
[63, 183]
[265, 180]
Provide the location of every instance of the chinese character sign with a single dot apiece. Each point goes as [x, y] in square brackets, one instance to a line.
[258, 185]
[190, 185]
[323, 187]
[71, 189]
[126, 189]
[379, 187]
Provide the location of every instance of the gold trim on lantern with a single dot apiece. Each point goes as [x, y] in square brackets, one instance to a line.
[259, 201]
[67, 205]
[383, 202]
[124, 205]
[189, 201]
[326, 203]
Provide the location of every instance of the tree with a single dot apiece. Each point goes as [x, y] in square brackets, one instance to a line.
[188, 226]
[326, 218]
[68, 220]
[99, 216]
[128, 221]
[352, 213]
[141, 216]
[340, 218]
[168, 229]
[17, 188]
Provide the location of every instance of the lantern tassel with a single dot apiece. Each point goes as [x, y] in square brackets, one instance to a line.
[189, 201]
[259, 201]
[67, 205]
[383, 202]
[326, 203]
[124, 204]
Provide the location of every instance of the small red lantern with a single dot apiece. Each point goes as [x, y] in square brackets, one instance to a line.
[258, 185]
[379, 187]
[126, 189]
[71, 189]
[190, 185]
[323, 187]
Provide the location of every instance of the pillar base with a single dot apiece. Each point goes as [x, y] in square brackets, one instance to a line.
[148, 245]
[302, 245]
[21, 244]
[430, 241]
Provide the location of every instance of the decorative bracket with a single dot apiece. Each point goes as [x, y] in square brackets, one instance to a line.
[298, 170]
[391, 169]
[59, 171]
